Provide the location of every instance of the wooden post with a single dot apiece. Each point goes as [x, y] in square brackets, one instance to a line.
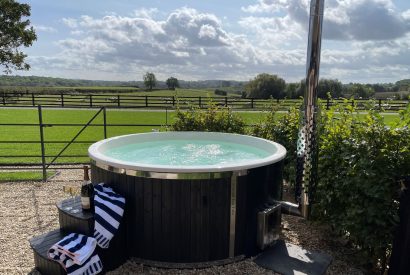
[199, 102]
[226, 101]
[380, 104]
[105, 122]
[252, 103]
[173, 100]
[399, 260]
[91, 101]
[4, 98]
[327, 103]
[118, 100]
[146, 101]
[43, 151]
[62, 100]
[32, 100]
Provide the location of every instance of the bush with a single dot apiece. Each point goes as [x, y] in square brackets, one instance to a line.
[220, 92]
[283, 130]
[212, 119]
[360, 160]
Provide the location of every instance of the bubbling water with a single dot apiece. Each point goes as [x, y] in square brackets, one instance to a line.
[183, 152]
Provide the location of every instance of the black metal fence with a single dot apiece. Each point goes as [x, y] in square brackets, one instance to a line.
[154, 101]
[44, 165]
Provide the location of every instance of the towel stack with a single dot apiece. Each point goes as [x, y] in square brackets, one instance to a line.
[76, 252]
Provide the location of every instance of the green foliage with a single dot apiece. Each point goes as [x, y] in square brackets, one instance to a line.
[329, 86]
[283, 130]
[172, 83]
[360, 91]
[212, 119]
[150, 80]
[266, 86]
[360, 160]
[220, 92]
[14, 34]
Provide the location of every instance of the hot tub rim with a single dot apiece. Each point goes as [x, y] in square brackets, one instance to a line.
[138, 169]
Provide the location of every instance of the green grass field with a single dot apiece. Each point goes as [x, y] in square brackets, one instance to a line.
[23, 176]
[90, 134]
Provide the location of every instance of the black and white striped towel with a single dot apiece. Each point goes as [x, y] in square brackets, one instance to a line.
[109, 208]
[76, 253]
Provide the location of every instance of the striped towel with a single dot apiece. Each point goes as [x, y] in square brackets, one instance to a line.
[76, 254]
[109, 208]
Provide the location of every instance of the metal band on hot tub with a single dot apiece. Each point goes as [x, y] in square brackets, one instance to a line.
[170, 176]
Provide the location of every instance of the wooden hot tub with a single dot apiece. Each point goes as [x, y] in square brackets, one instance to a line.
[186, 216]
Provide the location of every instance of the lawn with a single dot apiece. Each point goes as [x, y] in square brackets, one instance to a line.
[151, 119]
[22, 176]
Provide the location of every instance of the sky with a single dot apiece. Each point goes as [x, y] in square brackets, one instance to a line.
[366, 41]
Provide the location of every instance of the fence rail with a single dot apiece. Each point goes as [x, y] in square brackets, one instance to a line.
[145, 101]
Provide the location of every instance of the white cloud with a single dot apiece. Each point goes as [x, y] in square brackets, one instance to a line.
[70, 22]
[43, 28]
[190, 44]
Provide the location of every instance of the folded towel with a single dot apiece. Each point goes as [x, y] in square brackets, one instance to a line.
[109, 208]
[76, 253]
[91, 266]
[77, 246]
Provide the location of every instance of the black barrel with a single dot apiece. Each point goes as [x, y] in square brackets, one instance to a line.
[193, 220]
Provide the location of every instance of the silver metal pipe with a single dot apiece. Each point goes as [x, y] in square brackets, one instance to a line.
[307, 143]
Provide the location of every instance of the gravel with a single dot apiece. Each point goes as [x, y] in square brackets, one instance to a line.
[28, 209]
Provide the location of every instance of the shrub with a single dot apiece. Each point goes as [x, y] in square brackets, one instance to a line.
[220, 92]
[283, 130]
[360, 160]
[212, 119]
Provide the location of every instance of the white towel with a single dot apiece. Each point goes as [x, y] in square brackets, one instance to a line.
[76, 253]
[109, 209]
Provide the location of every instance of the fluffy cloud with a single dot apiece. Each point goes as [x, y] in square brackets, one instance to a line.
[190, 44]
[344, 19]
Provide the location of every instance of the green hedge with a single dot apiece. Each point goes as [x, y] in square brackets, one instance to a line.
[360, 160]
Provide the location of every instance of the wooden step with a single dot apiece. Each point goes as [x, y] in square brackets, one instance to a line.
[73, 219]
[40, 246]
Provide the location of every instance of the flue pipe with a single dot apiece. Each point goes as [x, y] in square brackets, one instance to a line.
[306, 178]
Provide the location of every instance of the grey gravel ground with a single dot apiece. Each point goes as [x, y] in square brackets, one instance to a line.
[28, 209]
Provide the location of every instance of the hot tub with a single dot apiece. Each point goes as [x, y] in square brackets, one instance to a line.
[193, 196]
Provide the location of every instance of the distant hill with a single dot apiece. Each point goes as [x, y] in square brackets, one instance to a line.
[39, 81]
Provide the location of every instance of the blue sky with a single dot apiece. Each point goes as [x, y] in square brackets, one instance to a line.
[363, 40]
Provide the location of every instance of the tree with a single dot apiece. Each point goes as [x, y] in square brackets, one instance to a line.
[149, 80]
[360, 91]
[14, 33]
[172, 83]
[265, 86]
[332, 86]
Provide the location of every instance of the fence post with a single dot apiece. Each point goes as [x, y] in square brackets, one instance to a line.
[62, 100]
[173, 100]
[252, 103]
[4, 98]
[32, 100]
[91, 101]
[327, 103]
[277, 100]
[380, 104]
[43, 157]
[352, 102]
[200, 102]
[146, 101]
[105, 122]
[118, 100]
[166, 116]
[399, 263]
[226, 101]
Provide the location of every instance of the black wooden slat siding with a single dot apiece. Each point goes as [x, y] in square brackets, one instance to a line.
[189, 220]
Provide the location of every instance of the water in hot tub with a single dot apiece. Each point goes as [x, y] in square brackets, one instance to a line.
[186, 152]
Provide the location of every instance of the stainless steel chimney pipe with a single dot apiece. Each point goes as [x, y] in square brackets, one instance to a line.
[306, 175]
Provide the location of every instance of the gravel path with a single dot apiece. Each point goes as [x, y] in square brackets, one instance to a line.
[28, 209]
